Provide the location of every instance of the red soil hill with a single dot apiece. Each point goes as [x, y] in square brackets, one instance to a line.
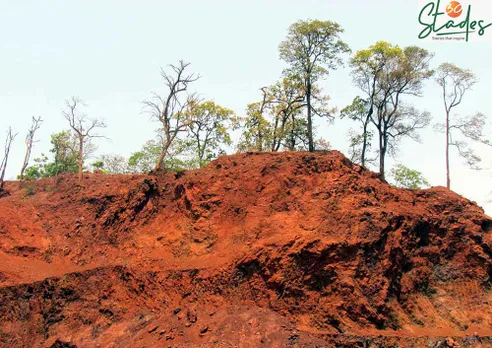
[271, 249]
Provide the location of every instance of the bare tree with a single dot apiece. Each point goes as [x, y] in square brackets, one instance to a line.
[82, 126]
[3, 165]
[114, 164]
[469, 127]
[455, 82]
[170, 110]
[36, 123]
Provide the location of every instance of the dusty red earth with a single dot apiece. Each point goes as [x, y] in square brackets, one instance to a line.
[272, 250]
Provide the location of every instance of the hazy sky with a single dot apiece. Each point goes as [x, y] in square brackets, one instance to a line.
[109, 53]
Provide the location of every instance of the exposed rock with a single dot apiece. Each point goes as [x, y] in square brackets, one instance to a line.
[275, 249]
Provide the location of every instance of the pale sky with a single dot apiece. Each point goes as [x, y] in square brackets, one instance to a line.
[109, 53]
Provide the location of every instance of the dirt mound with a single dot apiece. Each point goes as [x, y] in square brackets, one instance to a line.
[272, 249]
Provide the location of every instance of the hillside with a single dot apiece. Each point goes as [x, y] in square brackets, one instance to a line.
[270, 249]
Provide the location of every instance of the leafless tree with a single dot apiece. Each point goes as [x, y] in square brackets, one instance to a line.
[469, 127]
[115, 164]
[455, 82]
[36, 124]
[170, 110]
[83, 127]
[3, 165]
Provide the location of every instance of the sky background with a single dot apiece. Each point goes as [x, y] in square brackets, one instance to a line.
[109, 53]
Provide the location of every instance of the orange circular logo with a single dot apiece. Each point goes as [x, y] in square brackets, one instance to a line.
[454, 9]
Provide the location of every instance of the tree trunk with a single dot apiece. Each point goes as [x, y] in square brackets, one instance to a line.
[309, 116]
[23, 169]
[81, 158]
[364, 139]
[292, 140]
[201, 152]
[26, 161]
[259, 143]
[283, 134]
[382, 154]
[274, 140]
[364, 146]
[160, 159]
[2, 175]
[363, 152]
[448, 179]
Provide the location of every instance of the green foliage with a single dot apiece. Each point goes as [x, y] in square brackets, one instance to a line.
[355, 111]
[65, 159]
[369, 62]
[98, 165]
[276, 122]
[209, 130]
[143, 161]
[449, 76]
[360, 142]
[288, 98]
[33, 173]
[385, 73]
[312, 48]
[257, 132]
[408, 178]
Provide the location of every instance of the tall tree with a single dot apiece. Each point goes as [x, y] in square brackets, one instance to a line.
[209, 130]
[82, 126]
[3, 165]
[171, 109]
[367, 70]
[36, 124]
[386, 73]
[312, 48]
[455, 82]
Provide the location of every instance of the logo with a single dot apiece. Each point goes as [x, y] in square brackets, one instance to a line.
[454, 9]
[454, 21]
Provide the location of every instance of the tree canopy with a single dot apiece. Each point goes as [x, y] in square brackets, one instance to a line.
[312, 48]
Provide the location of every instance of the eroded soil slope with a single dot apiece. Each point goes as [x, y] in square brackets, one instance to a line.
[285, 249]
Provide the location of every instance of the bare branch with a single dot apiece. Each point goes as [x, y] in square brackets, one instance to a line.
[36, 124]
[171, 109]
[3, 165]
[82, 126]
